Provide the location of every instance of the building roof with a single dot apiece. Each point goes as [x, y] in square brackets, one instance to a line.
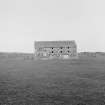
[42, 44]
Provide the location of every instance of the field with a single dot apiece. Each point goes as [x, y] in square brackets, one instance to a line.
[52, 82]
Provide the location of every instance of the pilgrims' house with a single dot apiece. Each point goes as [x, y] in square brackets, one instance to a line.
[55, 49]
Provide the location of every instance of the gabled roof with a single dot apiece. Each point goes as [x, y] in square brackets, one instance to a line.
[54, 44]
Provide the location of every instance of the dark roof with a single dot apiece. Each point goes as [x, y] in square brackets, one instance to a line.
[54, 43]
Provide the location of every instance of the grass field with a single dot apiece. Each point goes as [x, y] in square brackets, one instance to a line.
[52, 82]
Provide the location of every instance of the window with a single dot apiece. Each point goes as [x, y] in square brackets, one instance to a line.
[68, 51]
[60, 51]
[52, 52]
[61, 47]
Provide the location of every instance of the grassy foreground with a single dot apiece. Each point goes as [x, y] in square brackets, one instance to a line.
[52, 82]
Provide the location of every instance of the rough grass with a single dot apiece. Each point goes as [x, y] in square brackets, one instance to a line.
[52, 82]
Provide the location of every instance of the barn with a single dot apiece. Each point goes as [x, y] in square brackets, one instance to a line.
[55, 49]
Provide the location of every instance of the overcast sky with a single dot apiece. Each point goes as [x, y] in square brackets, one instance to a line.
[24, 21]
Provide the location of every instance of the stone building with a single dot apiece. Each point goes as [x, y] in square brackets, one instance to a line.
[55, 49]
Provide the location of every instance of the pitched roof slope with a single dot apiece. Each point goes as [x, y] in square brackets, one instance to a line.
[55, 43]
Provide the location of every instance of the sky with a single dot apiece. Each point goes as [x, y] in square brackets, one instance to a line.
[24, 21]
